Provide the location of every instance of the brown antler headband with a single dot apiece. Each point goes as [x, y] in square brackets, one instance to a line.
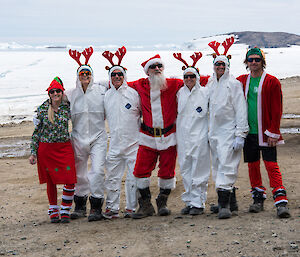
[226, 44]
[195, 57]
[109, 56]
[86, 53]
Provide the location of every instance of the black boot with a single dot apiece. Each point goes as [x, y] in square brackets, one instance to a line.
[223, 202]
[161, 202]
[96, 209]
[258, 201]
[145, 206]
[232, 203]
[282, 210]
[80, 207]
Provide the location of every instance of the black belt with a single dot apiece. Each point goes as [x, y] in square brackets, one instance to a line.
[156, 132]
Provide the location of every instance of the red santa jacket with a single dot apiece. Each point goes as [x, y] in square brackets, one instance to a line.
[167, 99]
[165, 103]
[269, 106]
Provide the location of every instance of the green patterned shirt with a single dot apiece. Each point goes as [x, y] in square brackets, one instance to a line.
[47, 132]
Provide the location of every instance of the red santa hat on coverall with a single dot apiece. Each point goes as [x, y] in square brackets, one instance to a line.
[152, 60]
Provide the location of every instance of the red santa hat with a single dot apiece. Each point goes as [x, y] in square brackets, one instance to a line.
[56, 84]
[152, 60]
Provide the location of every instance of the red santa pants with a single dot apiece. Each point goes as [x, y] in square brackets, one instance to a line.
[252, 156]
[147, 158]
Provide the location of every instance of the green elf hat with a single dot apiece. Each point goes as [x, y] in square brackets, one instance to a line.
[257, 51]
[56, 84]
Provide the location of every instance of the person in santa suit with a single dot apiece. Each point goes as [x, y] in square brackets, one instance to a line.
[157, 136]
[51, 149]
[228, 128]
[89, 138]
[264, 99]
[122, 112]
[192, 138]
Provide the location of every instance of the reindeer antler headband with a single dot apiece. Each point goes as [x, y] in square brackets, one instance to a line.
[226, 44]
[120, 54]
[195, 57]
[86, 53]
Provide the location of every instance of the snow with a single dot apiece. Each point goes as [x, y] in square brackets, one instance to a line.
[26, 72]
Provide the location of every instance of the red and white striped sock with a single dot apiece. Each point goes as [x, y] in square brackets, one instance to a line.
[53, 211]
[67, 199]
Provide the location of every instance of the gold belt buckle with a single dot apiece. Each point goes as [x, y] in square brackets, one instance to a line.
[159, 134]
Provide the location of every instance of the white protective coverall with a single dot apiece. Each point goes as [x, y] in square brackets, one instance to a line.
[122, 111]
[89, 137]
[227, 120]
[192, 143]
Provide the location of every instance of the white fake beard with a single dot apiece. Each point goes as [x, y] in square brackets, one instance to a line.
[158, 81]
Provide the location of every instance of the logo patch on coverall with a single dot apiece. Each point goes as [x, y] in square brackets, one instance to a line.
[128, 106]
[199, 109]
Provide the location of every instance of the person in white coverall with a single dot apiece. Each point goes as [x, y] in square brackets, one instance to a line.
[89, 139]
[122, 111]
[228, 127]
[192, 141]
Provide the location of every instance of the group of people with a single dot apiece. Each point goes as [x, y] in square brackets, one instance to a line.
[206, 120]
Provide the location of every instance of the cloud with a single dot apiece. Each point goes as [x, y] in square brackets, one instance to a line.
[142, 21]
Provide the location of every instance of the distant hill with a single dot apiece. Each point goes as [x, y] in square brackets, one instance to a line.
[267, 39]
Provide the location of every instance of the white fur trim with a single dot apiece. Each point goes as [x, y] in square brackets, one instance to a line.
[67, 197]
[142, 183]
[259, 110]
[68, 189]
[65, 208]
[269, 134]
[152, 61]
[53, 207]
[281, 201]
[167, 183]
[156, 108]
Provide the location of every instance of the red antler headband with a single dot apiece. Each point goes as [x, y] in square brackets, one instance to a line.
[226, 44]
[109, 56]
[86, 53]
[195, 57]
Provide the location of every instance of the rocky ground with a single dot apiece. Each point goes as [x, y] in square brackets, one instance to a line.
[25, 229]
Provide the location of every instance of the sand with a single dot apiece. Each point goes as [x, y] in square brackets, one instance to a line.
[25, 229]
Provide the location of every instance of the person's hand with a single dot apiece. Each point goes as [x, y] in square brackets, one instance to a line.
[32, 159]
[238, 143]
[272, 141]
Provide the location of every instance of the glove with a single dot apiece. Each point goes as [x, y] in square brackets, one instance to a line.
[238, 143]
[35, 120]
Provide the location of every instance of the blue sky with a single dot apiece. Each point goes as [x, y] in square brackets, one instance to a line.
[140, 22]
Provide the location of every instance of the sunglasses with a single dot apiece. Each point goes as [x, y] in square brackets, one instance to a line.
[120, 74]
[219, 64]
[191, 76]
[153, 66]
[87, 73]
[253, 59]
[55, 90]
